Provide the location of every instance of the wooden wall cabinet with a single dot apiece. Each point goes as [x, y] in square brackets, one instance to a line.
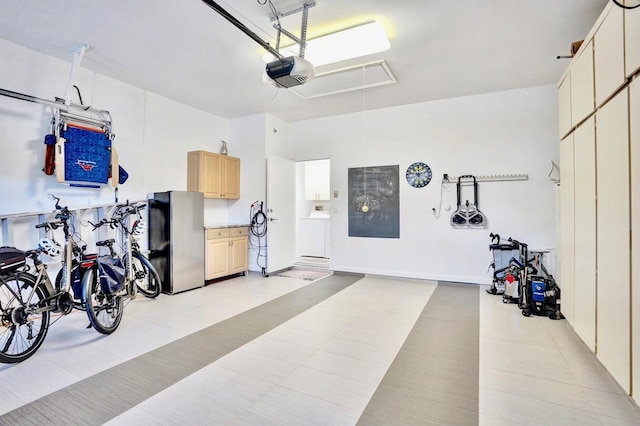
[215, 175]
[227, 252]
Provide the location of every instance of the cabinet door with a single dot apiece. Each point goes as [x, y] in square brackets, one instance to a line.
[239, 262]
[634, 114]
[311, 237]
[582, 91]
[231, 178]
[212, 170]
[567, 229]
[217, 258]
[203, 173]
[316, 180]
[215, 175]
[323, 183]
[564, 106]
[613, 252]
[632, 40]
[608, 45]
[585, 235]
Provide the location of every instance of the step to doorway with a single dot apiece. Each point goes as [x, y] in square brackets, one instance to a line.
[316, 263]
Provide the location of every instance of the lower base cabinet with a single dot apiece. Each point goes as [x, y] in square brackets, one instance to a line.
[313, 237]
[227, 252]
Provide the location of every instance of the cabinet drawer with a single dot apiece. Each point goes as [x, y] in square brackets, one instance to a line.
[213, 234]
[238, 232]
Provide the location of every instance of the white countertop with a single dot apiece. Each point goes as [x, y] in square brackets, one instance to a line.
[226, 225]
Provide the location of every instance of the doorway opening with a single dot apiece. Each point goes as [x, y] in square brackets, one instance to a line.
[313, 236]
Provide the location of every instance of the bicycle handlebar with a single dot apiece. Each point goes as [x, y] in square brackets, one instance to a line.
[127, 209]
[64, 211]
[103, 222]
[105, 243]
[63, 216]
[50, 225]
[511, 240]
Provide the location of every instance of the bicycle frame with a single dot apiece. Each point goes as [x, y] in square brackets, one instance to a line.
[125, 239]
[128, 259]
[63, 303]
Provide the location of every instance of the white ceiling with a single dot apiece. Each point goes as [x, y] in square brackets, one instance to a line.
[185, 51]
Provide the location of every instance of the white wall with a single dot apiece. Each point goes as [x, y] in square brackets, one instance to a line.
[507, 132]
[246, 140]
[253, 139]
[498, 133]
[153, 135]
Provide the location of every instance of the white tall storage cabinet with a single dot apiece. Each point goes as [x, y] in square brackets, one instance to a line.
[599, 126]
[584, 234]
[634, 152]
[567, 247]
[613, 248]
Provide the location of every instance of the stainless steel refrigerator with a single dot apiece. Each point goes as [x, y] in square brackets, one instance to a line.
[176, 239]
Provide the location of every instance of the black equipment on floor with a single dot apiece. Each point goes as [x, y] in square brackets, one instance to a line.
[542, 297]
[502, 255]
[524, 280]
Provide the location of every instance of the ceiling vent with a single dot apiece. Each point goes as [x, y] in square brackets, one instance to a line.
[348, 79]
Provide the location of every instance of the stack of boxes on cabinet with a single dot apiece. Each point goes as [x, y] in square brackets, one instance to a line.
[599, 121]
[226, 246]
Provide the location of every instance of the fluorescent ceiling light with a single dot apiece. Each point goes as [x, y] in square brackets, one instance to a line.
[339, 46]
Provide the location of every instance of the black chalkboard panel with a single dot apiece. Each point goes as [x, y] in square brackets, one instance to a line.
[377, 190]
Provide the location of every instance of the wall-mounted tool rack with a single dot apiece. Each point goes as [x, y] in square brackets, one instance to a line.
[490, 178]
[18, 230]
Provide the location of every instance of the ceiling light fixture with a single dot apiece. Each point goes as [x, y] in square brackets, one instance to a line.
[346, 44]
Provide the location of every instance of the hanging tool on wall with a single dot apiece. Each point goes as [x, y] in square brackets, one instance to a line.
[71, 120]
[258, 228]
[50, 151]
[468, 215]
[78, 149]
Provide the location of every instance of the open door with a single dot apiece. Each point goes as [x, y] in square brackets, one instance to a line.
[281, 208]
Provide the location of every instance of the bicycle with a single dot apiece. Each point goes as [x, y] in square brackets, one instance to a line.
[138, 274]
[27, 300]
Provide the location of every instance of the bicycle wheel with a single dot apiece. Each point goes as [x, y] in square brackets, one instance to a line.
[104, 310]
[21, 333]
[146, 278]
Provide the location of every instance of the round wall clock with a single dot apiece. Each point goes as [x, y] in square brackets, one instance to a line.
[418, 175]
